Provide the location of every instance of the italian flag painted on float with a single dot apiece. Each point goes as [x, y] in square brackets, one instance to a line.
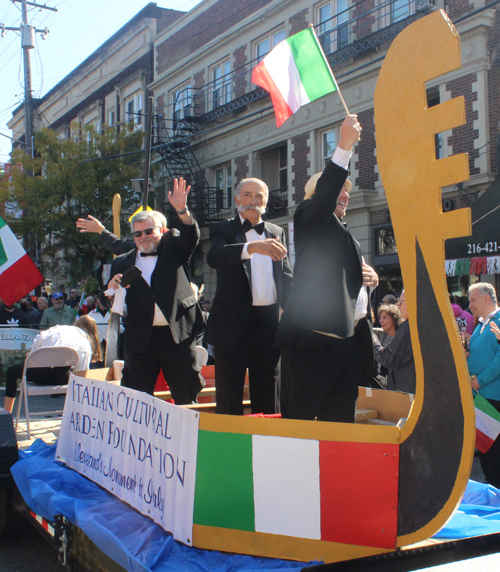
[18, 273]
[302, 488]
[295, 72]
[487, 423]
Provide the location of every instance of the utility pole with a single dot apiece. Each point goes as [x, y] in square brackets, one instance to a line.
[27, 33]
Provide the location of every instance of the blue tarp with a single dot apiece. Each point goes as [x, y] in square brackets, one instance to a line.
[139, 545]
[132, 540]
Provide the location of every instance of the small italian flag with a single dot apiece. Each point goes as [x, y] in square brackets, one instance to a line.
[487, 423]
[295, 73]
[18, 273]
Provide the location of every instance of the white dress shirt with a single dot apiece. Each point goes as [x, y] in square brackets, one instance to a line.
[263, 286]
[147, 264]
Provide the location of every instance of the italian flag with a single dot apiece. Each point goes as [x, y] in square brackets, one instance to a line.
[18, 274]
[487, 423]
[302, 488]
[295, 72]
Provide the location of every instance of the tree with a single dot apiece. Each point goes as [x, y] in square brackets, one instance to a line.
[72, 178]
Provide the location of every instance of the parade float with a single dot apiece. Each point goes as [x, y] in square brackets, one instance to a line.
[297, 490]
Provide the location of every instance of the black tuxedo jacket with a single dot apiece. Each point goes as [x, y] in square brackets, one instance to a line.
[170, 289]
[233, 298]
[328, 269]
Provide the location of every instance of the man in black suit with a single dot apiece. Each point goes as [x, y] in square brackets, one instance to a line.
[253, 280]
[162, 309]
[325, 336]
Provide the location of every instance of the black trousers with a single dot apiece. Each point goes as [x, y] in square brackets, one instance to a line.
[38, 375]
[176, 361]
[320, 377]
[490, 461]
[254, 351]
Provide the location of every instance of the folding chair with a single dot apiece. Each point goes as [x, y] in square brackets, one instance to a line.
[58, 356]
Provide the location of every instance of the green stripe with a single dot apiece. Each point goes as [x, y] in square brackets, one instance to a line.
[224, 481]
[314, 70]
[485, 406]
[2, 223]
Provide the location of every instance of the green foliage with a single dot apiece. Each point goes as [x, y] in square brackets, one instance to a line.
[67, 180]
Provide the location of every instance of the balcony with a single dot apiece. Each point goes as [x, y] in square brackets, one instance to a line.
[277, 204]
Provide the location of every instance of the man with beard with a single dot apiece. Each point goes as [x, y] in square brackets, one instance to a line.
[162, 310]
[253, 280]
[59, 314]
[12, 315]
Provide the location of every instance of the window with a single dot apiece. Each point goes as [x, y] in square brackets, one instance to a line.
[283, 167]
[333, 29]
[264, 46]
[112, 117]
[224, 182]
[221, 84]
[181, 100]
[401, 9]
[329, 144]
[133, 109]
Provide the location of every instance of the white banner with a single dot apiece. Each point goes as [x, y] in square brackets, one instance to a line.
[140, 448]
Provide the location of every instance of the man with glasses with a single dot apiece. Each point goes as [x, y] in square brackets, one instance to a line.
[162, 313]
[59, 314]
[398, 356]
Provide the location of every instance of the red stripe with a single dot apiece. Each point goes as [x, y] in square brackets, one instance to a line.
[483, 442]
[19, 280]
[261, 76]
[359, 493]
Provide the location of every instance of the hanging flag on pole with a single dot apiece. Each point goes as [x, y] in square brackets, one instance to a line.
[295, 73]
[487, 423]
[18, 273]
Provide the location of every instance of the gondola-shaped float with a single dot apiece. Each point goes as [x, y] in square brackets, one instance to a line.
[307, 490]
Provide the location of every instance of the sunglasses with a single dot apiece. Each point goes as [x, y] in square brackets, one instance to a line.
[147, 232]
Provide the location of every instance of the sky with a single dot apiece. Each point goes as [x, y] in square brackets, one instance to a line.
[77, 29]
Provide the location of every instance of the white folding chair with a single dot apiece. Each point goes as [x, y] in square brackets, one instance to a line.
[201, 356]
[58, 356]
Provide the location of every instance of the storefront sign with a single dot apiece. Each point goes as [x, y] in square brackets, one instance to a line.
[140, 448]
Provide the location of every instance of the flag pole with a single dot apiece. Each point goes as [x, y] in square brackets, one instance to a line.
[311, 25]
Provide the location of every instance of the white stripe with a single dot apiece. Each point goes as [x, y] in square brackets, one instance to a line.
[13, 248]
[487, 425]
[286, 486]
[50, 529]
[281, 67]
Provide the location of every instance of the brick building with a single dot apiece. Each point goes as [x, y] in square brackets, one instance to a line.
[225, 125]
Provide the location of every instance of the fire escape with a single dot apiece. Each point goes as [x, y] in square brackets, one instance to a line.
[356, 30]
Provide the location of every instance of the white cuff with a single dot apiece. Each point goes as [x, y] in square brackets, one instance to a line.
[342, 158]
[244, 253]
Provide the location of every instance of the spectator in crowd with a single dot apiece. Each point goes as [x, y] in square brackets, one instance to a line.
[464, 304]
[390, 319]
[484, 364]
[34, 315]
[389, 299]
[88, 305]
[42, 304]
[465, 321]
[59, 314]
[12, 315]
[74, 298]
[397, 357]
[82, 337]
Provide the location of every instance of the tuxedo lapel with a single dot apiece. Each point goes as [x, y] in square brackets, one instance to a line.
[241, 238]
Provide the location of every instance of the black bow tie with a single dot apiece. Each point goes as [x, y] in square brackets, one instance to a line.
[247, 225]
[155, 253]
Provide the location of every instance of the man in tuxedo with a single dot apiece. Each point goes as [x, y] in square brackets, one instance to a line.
[253, 280]
[162, 309]
[325, 335]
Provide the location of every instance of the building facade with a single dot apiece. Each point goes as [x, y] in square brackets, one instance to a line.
[207, 105]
